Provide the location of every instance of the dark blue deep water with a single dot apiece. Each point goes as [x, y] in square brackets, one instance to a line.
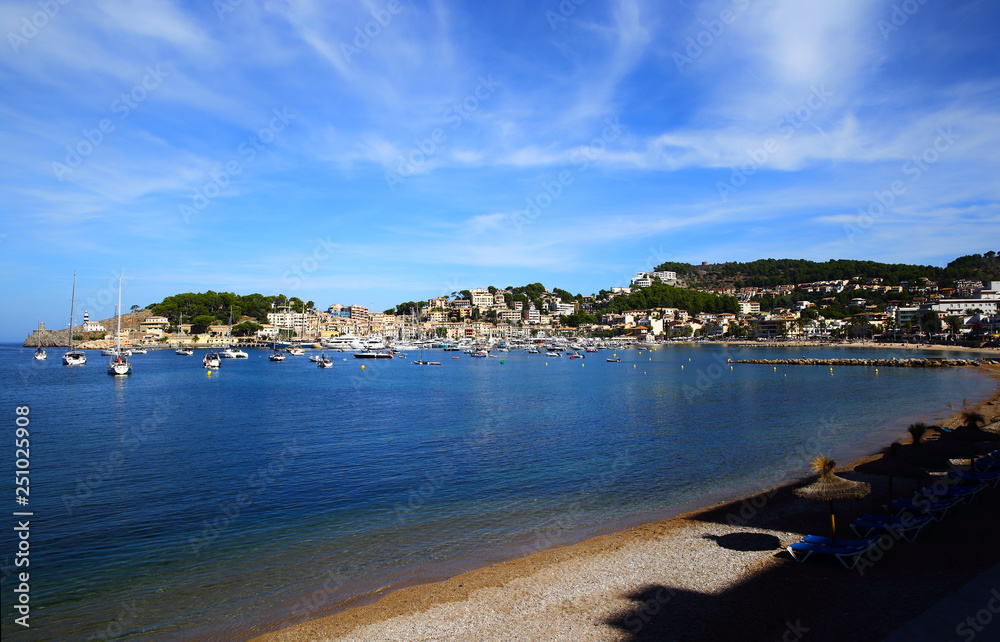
[172, 504]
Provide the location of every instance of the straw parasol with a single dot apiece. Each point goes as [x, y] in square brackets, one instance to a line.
[829, 487]
[890, 465]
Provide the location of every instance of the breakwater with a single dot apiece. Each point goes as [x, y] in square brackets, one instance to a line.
[930, 362]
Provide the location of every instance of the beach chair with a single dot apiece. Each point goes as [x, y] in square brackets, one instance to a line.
[991, 477]
[846, 551]
[906, 525]
[936, 508]
[962, 490]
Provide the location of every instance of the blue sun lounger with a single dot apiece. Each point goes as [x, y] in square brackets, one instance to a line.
[847, 551]
[936, 508]
[989, 477]
[906, 526]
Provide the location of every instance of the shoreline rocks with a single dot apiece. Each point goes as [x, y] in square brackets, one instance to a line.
[929, 362]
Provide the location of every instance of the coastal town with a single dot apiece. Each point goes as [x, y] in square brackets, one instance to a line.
[824, 311]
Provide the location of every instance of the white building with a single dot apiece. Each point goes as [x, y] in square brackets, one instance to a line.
[749, 307]
[481, 298]
[665, 276]
[91, 326]
[642, 281]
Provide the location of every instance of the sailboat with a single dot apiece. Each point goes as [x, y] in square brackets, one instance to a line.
[73, 357]
[276, 355]
[40, 351]
[324, 362]
[182, 351]
[119, 366]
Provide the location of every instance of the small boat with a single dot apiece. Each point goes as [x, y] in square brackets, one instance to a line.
[552, 354]
[534, 351]
[421, 362]
[119, 366]
[615, 360]
[577, 355]
[372, 354]
[233, 353]
[315, 358]
[138, 350]
[323, 362]
[73, 357]
[212, 361]
[481, 354]
[112, 351]
[590, 350]
[296, 352]
[184, 352]
[39, 350]
[276, 356]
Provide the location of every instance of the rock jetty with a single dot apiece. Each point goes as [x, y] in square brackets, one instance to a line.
[929, 362]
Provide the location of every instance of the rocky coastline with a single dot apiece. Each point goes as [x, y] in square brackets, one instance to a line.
[930, 362]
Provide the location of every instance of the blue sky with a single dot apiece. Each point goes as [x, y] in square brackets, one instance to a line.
[377, 152]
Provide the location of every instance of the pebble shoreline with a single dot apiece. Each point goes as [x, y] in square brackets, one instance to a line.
[888, 363]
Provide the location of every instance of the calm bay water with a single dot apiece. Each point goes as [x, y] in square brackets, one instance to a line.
[172, 504]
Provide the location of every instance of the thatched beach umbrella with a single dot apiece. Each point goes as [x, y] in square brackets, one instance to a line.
[829, 487]
[892, 466]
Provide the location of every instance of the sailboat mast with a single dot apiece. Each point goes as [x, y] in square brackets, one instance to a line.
[118, 330]
[72, 304]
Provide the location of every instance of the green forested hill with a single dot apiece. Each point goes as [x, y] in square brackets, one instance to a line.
[770, 272]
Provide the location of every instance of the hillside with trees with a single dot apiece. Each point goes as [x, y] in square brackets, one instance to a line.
[212, 308]
[771, 272]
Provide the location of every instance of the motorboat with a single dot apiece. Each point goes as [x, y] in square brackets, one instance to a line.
[343, 343]
[615, 360]
[480, 354]
[233, 353]
[138, 350]
[212, 361]
[276, 356]
[323, 362]
[184, 352]
[295, 352]
[552, 354]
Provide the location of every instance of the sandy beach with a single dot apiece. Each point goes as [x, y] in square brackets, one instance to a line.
[718, 573]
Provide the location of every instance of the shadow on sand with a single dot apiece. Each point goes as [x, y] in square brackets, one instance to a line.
[821, 600]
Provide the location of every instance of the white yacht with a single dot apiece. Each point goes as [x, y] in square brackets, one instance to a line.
[119, 366]
[184, 352]
[39, 350]
[233, 353]
[212, 361]
[73, 357]
[138, 350]
[343, 343]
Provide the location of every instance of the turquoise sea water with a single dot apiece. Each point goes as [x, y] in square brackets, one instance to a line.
[173, 504]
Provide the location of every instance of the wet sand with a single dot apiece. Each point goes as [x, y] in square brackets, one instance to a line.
[718, 573]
